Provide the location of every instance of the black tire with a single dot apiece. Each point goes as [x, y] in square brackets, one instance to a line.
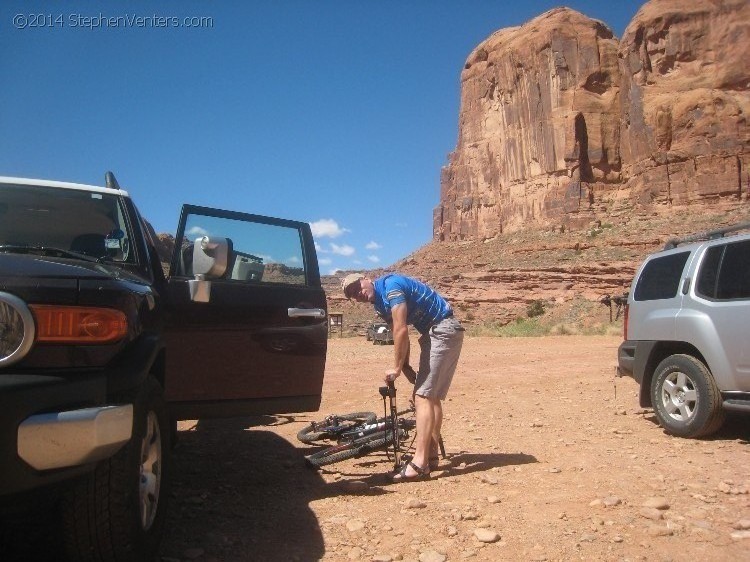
[117, 512]
[686, 400]
[317, 431]
[353, 449]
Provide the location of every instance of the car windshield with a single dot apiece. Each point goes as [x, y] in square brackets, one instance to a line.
[71, 223]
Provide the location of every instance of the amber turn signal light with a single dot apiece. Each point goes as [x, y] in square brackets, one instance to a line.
[78, 324]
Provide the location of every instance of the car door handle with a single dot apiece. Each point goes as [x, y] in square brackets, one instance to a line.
[307, 313]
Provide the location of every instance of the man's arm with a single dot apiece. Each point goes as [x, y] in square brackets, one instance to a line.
[400, 340]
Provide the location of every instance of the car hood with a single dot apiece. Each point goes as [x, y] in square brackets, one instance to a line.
[26, 265]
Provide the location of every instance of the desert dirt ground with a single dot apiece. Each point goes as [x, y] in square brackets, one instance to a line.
[550, 457]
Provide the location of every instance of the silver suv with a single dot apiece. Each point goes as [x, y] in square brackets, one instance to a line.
[687, 331]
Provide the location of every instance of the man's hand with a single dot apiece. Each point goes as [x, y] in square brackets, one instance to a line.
[391, 375]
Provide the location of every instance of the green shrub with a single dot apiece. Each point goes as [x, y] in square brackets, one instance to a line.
[535, 308]
[520, 328]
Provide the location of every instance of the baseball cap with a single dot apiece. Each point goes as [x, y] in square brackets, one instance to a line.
[349, 280]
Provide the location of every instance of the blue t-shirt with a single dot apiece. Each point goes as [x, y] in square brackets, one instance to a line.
[424, 306]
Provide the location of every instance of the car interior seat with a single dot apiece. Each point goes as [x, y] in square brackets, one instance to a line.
[89, 244]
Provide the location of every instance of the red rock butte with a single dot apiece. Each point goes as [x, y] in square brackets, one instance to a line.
[563, 124]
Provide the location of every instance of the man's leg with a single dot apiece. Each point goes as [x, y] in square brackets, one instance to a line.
[425, 426]
[444, 350]
[437, 414]
[437, 362]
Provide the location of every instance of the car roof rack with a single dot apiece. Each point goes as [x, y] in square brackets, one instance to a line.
[706, 235]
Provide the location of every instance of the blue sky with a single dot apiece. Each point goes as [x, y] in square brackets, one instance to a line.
[337, 113]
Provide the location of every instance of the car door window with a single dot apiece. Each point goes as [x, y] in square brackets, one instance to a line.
[661, 277]
[734, 275]
[258, 252]
[709, 272]
[725, 272]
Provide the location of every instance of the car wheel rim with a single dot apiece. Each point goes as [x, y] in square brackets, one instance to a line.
[150, 471]
[679, 396]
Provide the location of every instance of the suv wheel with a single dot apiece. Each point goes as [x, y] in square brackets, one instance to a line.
[686, 399]
[117, 512]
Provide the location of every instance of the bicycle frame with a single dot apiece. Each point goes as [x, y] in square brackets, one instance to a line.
[390, 392]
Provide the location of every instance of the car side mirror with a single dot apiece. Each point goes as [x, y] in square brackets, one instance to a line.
[210, 256]
[210, 260]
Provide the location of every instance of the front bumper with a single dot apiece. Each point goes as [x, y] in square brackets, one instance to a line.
[74, 437]
[57, 425]
[34, 400]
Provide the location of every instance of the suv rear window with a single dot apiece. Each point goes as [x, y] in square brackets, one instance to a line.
[725, 272]
[660, 278]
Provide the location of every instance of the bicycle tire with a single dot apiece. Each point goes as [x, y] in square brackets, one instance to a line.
[384, 422]
[353, 449]
[317, 431]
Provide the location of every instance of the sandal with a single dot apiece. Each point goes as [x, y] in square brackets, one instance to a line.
[421, 473]
[434, 463]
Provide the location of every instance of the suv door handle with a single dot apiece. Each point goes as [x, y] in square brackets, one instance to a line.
[306, 313]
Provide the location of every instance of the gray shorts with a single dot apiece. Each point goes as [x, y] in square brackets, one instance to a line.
[438, 358]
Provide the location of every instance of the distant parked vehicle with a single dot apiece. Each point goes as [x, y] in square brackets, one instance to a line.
[687, 321]
[379, 333]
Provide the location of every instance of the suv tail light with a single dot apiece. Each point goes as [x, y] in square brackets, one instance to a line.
[78, 324]
[625, 322]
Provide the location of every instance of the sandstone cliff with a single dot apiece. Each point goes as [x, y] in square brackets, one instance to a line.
[562, 124]
[493, 283]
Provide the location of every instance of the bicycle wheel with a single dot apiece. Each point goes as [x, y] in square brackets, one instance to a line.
[333, 426]
[353, 449]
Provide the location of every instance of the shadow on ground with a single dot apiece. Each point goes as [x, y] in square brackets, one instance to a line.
[457, 464]
[735, 428]
[466, 463]
[241, 493]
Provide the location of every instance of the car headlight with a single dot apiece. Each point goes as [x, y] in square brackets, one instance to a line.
[17, 329]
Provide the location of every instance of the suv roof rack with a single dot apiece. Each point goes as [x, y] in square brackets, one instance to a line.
[706, 235]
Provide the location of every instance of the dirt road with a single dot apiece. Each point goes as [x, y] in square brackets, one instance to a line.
[550, 458]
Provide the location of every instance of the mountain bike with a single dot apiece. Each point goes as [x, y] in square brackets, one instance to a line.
[388, 433]
[334, 426]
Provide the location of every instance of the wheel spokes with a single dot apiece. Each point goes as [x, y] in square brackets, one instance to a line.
[150, 478]
[682, 380]
[685, 411]
[679, 396]
[670, 388]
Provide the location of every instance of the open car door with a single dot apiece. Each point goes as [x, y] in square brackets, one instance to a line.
[247, 324]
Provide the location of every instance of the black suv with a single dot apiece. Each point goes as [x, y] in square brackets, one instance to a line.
[101, 353]
[687, 321]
